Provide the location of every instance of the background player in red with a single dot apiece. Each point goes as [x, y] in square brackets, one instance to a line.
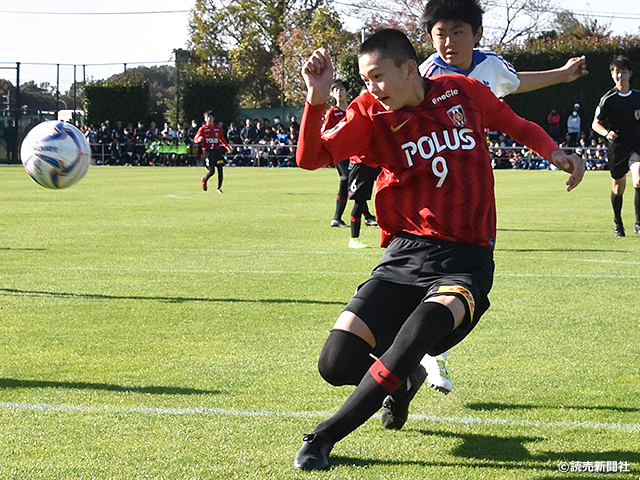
[435, 205]
[213, 143]
[332, 117]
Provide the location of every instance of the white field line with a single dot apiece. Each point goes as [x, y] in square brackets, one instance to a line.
[65, 408]
[298, 272]
[585, 260]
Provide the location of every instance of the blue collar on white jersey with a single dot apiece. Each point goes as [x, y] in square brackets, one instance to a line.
[478, 57]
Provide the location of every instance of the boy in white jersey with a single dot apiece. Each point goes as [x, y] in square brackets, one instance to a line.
[454, 27]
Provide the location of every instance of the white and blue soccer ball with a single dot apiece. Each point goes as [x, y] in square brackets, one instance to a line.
[55, 154]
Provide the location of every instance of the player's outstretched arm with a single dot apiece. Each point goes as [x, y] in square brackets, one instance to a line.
[571, 164]
[318, 76]
[575, 68]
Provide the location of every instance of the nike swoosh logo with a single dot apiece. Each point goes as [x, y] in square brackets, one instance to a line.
[395, 129]
[380, 373]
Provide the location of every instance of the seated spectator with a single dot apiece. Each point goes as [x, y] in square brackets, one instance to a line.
[233, 135]
[152, 134]
[168, 132]
[293, 122]
[249, 134]
[501, 160]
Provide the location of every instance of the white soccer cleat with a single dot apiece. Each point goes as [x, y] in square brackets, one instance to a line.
[438, 374]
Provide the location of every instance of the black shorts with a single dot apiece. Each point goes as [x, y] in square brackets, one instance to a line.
[213, 157]
[361, 180]
[414, 269]
[621, 156]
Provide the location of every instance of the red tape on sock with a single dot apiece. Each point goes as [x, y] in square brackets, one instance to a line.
[384, 377]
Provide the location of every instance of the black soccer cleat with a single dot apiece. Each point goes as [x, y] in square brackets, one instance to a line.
[395, 407]
[370, 222]
[314, 453]
[337, 222]
[618, 229]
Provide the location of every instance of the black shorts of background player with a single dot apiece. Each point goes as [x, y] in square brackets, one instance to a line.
[618, 119]
[214, 160]
[361, 180]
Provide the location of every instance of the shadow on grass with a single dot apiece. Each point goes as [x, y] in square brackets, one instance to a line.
[489, 447]
[490, 451]
[23, 249]
[101, 296]
[561, 250]
[368, 462]
[527, 406]
[7, 383]
[539, 230]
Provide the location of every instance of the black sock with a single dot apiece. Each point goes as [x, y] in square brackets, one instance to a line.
[365, 211]
[636, 201]
[616, 203]
[345, 358]
[341, 204]
[356, 220]
[220, 176]
[428, 324]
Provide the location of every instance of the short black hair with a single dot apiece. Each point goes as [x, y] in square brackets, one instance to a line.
[337, 83]
[621, 62]
[209, 113]
[467, 11]
[389, 43]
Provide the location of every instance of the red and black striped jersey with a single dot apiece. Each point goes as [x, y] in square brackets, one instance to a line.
[332, 117]
[211, 137]
[436, 180]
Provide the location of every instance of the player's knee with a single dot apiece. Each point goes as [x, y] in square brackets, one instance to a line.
[344, 358]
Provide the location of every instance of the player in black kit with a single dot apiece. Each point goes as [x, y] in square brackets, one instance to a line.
[618, 119]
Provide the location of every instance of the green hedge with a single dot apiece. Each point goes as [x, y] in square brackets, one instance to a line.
[218, 93]
[587, 91]
[125, 99]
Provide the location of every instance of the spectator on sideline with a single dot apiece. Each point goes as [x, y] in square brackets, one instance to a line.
[574, 126]
[249, 134]
[233, 135]
[553, 120]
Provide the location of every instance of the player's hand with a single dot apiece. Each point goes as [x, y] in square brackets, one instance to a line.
[318, 76]
[575, 68]
[611, 135]
[572, 164]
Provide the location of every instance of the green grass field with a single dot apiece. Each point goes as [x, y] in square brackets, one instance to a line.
[151, 330]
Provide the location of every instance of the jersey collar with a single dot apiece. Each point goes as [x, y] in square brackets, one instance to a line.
[478, 57]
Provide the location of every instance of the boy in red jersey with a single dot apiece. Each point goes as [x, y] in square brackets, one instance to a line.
[331, 119]
[436, 208]
[210, 134]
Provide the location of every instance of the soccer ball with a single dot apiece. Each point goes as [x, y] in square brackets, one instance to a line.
[55, 154]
